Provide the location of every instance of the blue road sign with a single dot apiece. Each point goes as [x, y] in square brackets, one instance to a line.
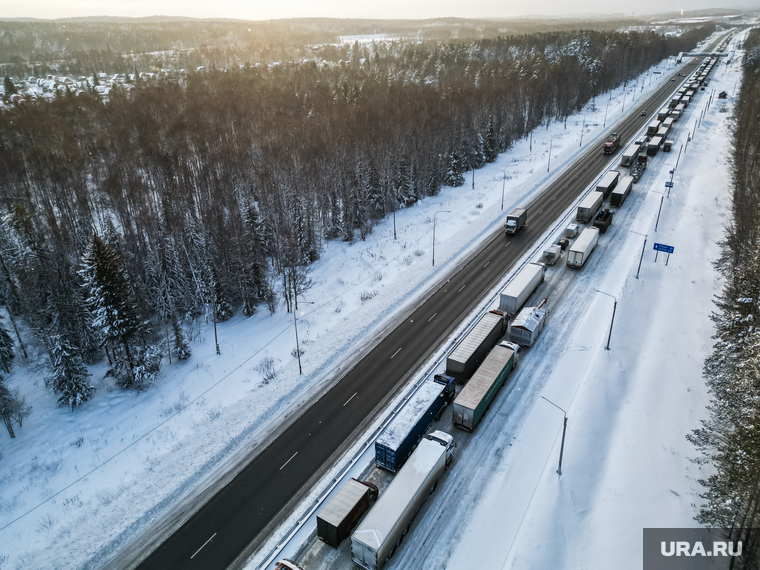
[671, 172]
[668, 185]
[664, 248]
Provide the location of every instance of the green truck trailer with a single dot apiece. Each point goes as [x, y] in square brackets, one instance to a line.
[474, 399]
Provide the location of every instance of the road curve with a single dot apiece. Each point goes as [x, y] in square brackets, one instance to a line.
[235, 519]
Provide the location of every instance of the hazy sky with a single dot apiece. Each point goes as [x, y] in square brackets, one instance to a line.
[263, 10]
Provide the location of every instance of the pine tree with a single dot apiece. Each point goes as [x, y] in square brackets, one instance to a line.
[95, 80]
[491, 148]
[181, 349]
[113, 305]
[6, 350]
[224, 310]
[70, 377]
[454, 172]
[9, 89]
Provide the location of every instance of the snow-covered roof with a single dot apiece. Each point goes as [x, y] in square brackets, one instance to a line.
[410, 414]
[529, 318]
[475, 338]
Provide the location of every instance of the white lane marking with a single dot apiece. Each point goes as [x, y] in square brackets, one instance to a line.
[395, 353]
[431, 318]
[204, 544]
[288, 461]
[351, 398]
[541, 212]
[463, 286]
[486, 265]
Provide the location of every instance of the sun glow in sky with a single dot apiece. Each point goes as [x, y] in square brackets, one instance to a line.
[414, 9]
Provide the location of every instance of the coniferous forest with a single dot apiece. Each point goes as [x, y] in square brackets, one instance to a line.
[728, 440]
[127, 223]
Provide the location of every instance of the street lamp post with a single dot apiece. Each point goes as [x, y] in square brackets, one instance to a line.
[642, 252]
[612, 321]
[564, 429]
[434, 215]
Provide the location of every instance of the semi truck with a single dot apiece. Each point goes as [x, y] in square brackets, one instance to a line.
[653, 127]
[464, 359]
[663, 114]
[611, 144]
[521, 287]
[582, 248]
[398, 440]
[620, 193]
[654, 145]
[516, 220]
[603, 220]
[667, 146]
[668, 123]
[662, 133]
[630, 155]
[475, 398]
[338, 517]
[380, 533]
[588, 208]
[608, 182]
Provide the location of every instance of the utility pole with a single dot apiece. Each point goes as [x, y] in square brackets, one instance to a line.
[551, 141]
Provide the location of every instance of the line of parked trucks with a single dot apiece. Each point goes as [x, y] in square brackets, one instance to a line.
[482, 363]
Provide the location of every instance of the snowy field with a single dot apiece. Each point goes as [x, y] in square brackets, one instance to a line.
[626, 464]
[76, 487]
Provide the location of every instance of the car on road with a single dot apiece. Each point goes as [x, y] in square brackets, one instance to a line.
[643, 113]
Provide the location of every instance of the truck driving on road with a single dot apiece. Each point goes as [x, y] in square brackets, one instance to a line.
[380, 533]
[611, 144]
[516, 220]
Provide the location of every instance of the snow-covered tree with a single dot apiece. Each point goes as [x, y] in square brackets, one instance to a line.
[181, 349]
[13, 407]
[491, 147]
[454, 172]
[111, 300]
[70, 379]
[6, 350]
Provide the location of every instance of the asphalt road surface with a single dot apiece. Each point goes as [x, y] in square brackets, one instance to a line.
[240, 513]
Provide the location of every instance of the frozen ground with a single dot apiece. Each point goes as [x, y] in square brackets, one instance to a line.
[626, 464]
[76, 487]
